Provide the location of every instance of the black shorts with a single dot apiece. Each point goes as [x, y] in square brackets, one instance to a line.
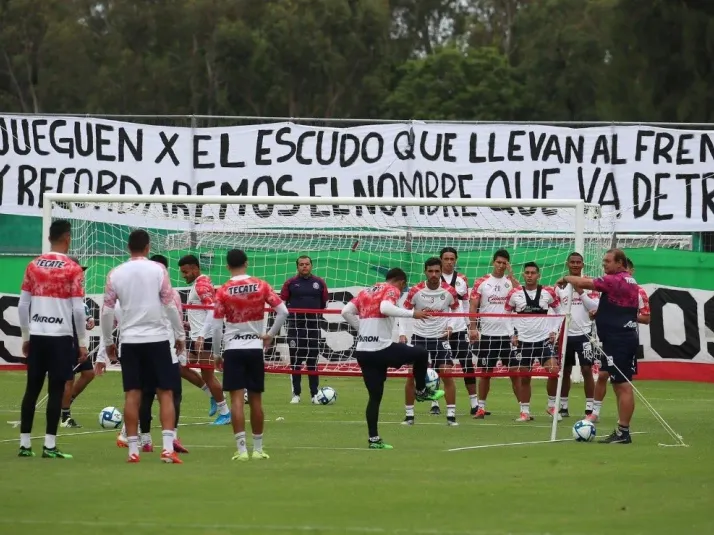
[439, 350]
[374, 364]
[243, 368]
[303, 340]
[528, 352]
[148, 366]
[461, 350]
[491, 349]
[620, 357]
[583, 347]
[51, 356]
[207, 345]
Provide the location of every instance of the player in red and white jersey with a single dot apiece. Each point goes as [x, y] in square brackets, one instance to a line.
[147, 363]
[372, 313]
[53, 292]
[488, 296]
[240, 304]
[533, 337]
[199, 339]
[432, 333]
[579, 341]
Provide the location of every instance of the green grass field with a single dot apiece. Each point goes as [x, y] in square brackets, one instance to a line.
[322, 480]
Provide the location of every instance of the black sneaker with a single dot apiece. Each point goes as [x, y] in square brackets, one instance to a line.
[564, 413]
[473, 410]
[451, 421]
[435, 410]
[408, 420]
[617, 437]
[70, 423]
[25, 452]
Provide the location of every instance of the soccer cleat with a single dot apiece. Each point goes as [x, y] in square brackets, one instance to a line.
[424, 395]
[133, 458]
[178, 447]
[473, 411]
[223, 419]
[122, 441]
[295, 400]
[592, 417]
[564, 413]
[314, 401]
[617, 437]
[525, 417]
[480, 414]
[70, 423]
[147, 448]
[240, 456]
[214, 407]
[379, 445]
[451, 422]
[25, 452]
[550, 411]
[408, 420]
[170, 457]
[257, 455]
[54, 453]
[435, 410]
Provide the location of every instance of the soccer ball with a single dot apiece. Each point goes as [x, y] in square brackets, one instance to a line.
[326, 395]
[245, 397]
[432, 380]
[110, 418]
[584, 431]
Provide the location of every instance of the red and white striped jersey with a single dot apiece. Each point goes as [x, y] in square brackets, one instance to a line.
[460, 283]
[537, 326]
[53, 280]
[644, 302]
[443, 299]
[493, 293]
[201, 293]
[580, 322]
[241, 303]
[375, 329]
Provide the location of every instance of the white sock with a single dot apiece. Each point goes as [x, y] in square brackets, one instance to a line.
[133, 445]
[206, 390]
[597, 405]
[240, 441]
[257, 442]
[410, 410]
[473, 400]
[588, 404]
[168, 440]
[551, 402]
[176, 434]
[482, 404]
[434, 403]
[564, 403]
[145, 438]
[122, 433]
[223, 408]
[25, 440]
[526, 408]
[451, 411]
[50, 441]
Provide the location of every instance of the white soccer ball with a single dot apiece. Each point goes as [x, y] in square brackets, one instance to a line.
[245, 397]
[584, 431]
[432, 380]
[110, 418]
[326, 395]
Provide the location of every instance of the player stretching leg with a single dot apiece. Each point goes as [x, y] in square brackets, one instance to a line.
[199, 346]
[372, 313]
[53, 289]
[432, 333]
[533, 338]
[578, 341]
[488, 296]
[240, 304]
[459, 339]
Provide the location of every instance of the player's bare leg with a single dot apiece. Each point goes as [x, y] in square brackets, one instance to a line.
[522, 390]
[625, 409]
[257, 422]
[132, 402]
[589, 386]
[167, 415]
[599, 395]
[551, 387]
[190, 375]
[484, 385]
[213, 388]
[449, 394]
[409, 400]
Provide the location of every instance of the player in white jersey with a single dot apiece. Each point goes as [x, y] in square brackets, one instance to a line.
[199, 339]
[147, 364]
[533, 333]
[432, 333]
[240, 304]
[372, 313]
[488, 296]
[579, 333]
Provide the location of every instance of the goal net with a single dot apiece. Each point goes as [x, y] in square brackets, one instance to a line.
[351, 243]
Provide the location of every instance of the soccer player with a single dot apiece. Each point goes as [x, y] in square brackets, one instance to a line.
[85, 369]
[199, 344]
[459, 339]
[532, 337]
[240, 303]
[616, 323]
[372, 313]
[432, 333]
[488, 296]
[579, 332]
[53, 290]
[308, 291]
[146, 296]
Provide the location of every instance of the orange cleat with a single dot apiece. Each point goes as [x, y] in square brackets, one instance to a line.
[178, 447]
[147, 448]
[133, 458]
[170, 457]
[480, 414]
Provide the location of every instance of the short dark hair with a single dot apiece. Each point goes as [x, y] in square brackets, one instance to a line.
[302, 257]
[189, 260]
[575, 253]
[138, 240]
[396, 274]
[58, 229]
[501, 253]
[531, 264]
[236, 258]
[629, 264]
[433, 261]
[618, 256]
[161, 259]
[448, 250]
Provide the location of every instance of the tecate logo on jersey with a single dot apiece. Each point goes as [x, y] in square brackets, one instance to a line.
[245, 337]
[50, 263]
[244, 289]
[47, 319]
[368, 338]
[495, 300]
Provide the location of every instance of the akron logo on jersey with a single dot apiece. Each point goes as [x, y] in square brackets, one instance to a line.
[316, 286]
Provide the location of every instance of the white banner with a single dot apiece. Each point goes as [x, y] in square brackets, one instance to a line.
[658, 180]
[681, 328]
